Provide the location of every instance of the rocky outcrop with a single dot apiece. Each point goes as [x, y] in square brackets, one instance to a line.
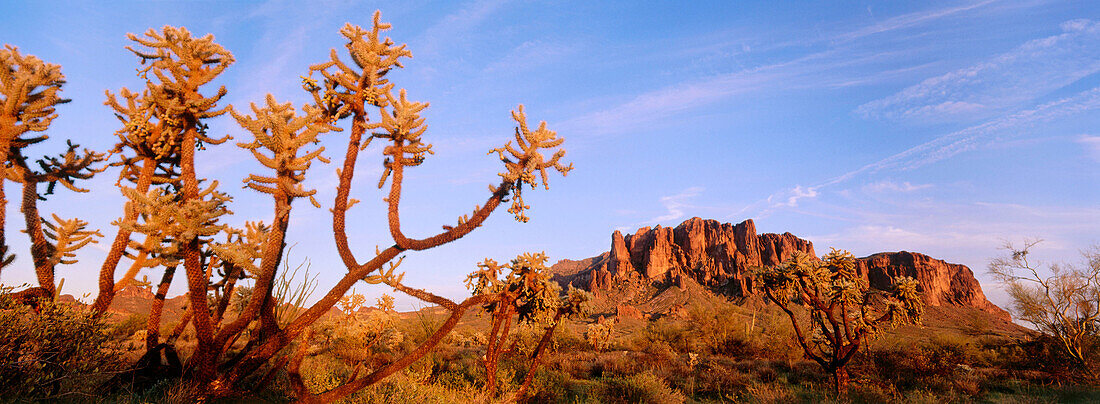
[135, 291]
[941, 283]
[717, 255]
[721, 256]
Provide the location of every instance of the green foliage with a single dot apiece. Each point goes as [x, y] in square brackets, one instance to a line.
[59, 351]
[128, 326]
[839, 304]
[290, 293]
[1062, 301]
[536, 298]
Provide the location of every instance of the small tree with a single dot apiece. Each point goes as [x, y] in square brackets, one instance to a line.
[527, 293]
[1062, 301]
[842, 309]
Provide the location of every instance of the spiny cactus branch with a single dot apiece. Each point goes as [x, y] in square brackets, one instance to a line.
[28, 97]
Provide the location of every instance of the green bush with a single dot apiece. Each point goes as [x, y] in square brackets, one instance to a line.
[59, 351]
[640, 388]
[128, 326]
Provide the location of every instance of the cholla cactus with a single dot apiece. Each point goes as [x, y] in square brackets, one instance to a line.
[278, 130]
[173, 223]
[598, 335]
[840, 305]
[163, 126]
[529, 293]
[29, 96]
[385, 303]
[68, 237]
[352, 302]
[522, 164]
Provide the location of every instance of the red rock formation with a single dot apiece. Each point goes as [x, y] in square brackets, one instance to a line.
[627, 311]
[721, 256]
[135, 291]
[718, 255]
[619, 261]
[941, 283]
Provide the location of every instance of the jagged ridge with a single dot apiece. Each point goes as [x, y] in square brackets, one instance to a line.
[720, 256]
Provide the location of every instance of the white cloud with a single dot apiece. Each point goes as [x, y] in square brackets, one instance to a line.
[830, 68]
[675, 204]
[653, 106]
[908, 20]
[975, 136]
[891, 186]
[798, 192]
[1007, 81]
[1091, 145]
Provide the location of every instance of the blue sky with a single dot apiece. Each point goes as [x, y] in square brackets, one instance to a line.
[939, 127]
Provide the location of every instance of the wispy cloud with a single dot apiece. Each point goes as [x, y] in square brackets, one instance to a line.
[891, 186]
[908, 20]
[456, 26]
[974, 136]
[830, 68]
[528, 55]
[787, 198]
[1007, 81]
[968, 231]
[675, 204]
[791, 197]
[654, 106]
[942, 147]
[1091, 145]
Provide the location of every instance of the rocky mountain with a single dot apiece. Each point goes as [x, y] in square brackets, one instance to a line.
[721, 256]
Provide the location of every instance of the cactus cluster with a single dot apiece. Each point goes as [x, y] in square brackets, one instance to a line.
[174, 219]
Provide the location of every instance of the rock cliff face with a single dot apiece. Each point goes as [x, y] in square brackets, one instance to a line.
[717, 255]
[720, 256]
[942, 283]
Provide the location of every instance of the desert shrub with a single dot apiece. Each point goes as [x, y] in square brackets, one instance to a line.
[676, 335]
[357, 337]
[467, 339]
[599, 335]
[621, 363]
[56, 352]
[550, 387]
[322, 373]
[945, 364]
[1061, 301]
[718, 377]
[717, 334]
[765, 393]
[640, 388]
[568, 340]
[128, 326]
